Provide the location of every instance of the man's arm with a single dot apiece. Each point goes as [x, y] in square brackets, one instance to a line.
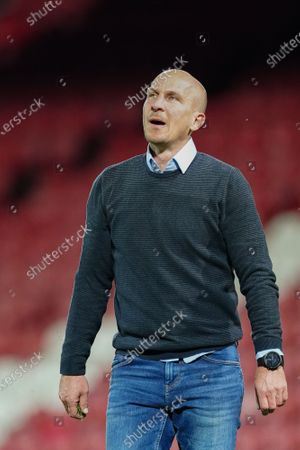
[247, 250]
[93, 282]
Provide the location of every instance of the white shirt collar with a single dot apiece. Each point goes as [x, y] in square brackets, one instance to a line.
[183, 157]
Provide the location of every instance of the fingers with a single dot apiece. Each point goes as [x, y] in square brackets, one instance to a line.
[283, 398]
[73, 393]
[66, 406]
[279, 398]
[73, 410]
[83, 403]
[268, 401]
[285, 394]
[271, 398]
[262, 401]
[271, 389]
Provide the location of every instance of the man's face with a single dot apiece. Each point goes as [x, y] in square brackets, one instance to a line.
[169, 111]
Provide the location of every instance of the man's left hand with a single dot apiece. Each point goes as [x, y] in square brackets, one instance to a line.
[270, 388]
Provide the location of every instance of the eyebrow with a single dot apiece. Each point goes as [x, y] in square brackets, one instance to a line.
[167, 92]
[152, 89]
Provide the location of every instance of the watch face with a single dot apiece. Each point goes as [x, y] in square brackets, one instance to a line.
[272, 360]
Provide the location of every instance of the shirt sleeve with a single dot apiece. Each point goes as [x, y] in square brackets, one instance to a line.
[93, 281]
[264, 352]
[248, 254]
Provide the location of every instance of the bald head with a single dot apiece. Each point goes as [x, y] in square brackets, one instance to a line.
[174, 108]
[191, 85]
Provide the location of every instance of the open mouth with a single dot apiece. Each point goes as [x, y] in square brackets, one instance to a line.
[156, 122]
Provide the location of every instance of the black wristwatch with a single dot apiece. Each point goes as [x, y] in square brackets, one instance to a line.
[271, 360]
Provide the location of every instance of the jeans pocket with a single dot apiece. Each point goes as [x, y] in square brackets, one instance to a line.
[227, 356]
[121, 360]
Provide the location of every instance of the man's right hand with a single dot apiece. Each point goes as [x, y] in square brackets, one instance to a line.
[73, 392]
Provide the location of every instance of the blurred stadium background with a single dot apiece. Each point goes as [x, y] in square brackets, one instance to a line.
[84, 60]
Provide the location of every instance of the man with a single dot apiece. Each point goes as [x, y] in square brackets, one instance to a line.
[170, 226]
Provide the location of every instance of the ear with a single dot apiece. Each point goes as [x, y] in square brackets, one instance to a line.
[199, 121]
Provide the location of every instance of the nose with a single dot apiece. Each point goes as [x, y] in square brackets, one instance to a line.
[157, 103]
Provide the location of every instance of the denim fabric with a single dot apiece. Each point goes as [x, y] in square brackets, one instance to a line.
[151, 402]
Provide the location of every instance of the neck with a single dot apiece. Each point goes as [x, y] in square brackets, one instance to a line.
[162, 153]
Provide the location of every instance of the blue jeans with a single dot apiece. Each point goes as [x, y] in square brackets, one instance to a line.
[151, 402]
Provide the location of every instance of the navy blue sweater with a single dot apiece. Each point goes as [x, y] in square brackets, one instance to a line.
[171, 241]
